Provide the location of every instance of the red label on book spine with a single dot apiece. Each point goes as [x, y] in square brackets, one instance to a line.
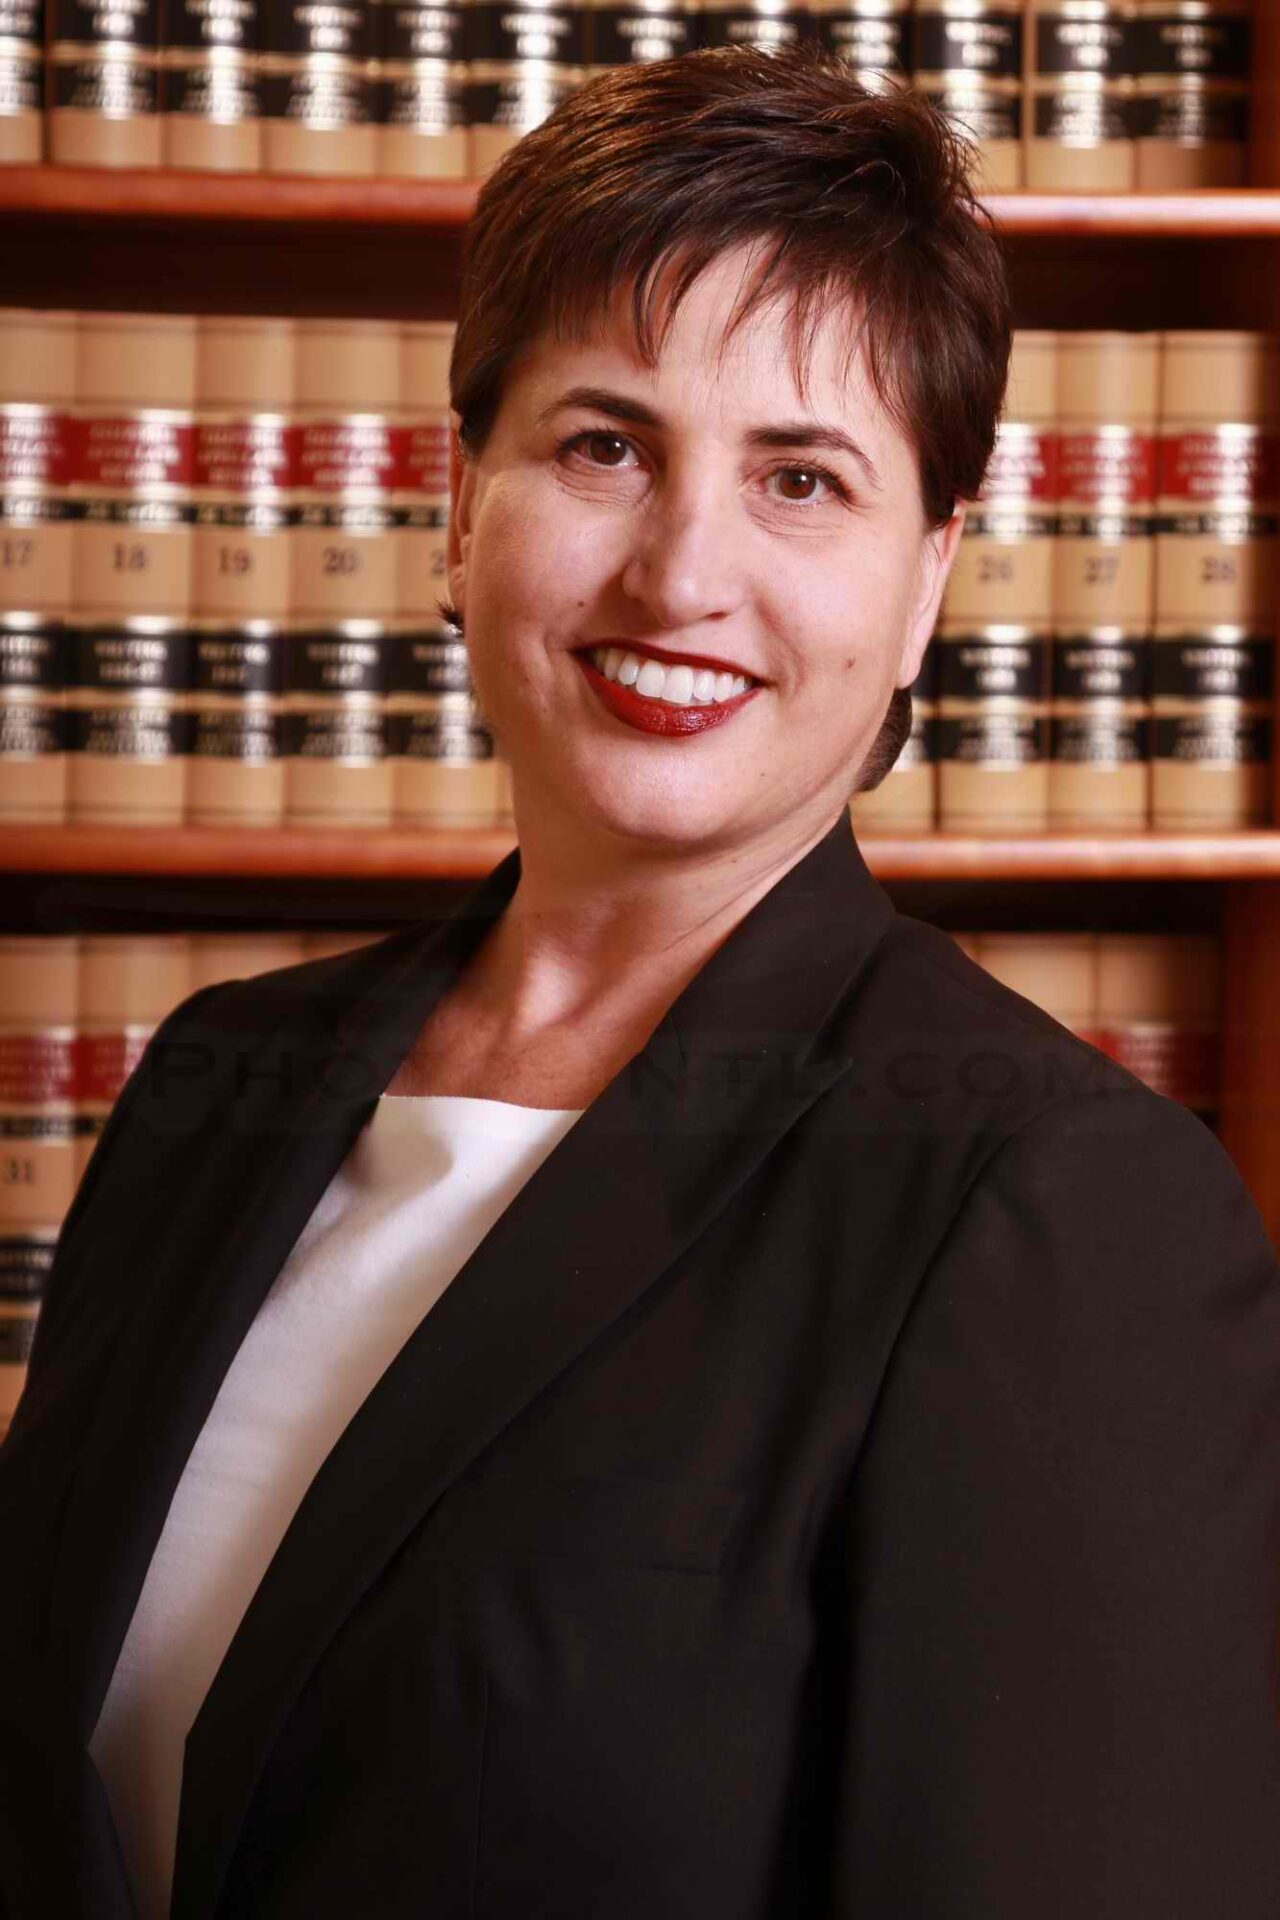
[344, 455]
[37, 1069]
[135, 451]
[244, 456]
[1227, 463]
[1107, 464]
[1024, 464]
[35, 448]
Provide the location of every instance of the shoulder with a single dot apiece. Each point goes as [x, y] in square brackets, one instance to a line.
[935, 1032]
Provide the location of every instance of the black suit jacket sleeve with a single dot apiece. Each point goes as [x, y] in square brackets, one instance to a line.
[1060, 1552]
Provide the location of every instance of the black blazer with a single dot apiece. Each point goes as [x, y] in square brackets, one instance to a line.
[844, 1485]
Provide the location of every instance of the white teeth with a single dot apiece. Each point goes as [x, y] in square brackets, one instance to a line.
[679, 686]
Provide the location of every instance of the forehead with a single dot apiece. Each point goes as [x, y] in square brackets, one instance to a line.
[716, 359]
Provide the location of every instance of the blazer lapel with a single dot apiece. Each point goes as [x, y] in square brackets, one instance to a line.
[299, 1101]
[740, 1055]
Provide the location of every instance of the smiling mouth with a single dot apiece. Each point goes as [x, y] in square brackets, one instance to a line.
[655, 697]
[680, 683]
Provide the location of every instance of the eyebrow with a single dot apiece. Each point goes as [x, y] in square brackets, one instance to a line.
[784, 433]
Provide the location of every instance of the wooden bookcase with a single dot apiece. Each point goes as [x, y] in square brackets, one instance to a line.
[174, 242]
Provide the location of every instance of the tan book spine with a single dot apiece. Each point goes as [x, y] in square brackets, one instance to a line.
[318, 88]
[1218, 515]
[1100, 731]
[242, 468]
[104, 84]
[211, 120]
[1190, 114]
[33, 759]
[1005, 565]
[524, 60]
[872, 37]
[133, 464]
[1079, 93]
[37, 386]
[128, 721]
[967, 61]
[21, 82]
[421, 89]
[235, 773]
[345, 553]
[338, 766]
[993, 727]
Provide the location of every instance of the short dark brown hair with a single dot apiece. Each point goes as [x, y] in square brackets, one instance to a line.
[864, 197]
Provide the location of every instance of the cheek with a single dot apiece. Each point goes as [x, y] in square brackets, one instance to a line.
[530, 558]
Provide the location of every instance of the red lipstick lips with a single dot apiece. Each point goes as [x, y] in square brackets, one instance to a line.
[657, 716]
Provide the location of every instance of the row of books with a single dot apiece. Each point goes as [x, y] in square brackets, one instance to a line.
[164, 723]
[75, 1015]
[160, 723]
[234, 468]
[263, 468]
[1152, 94]
[1135, 480]
[1016, 730]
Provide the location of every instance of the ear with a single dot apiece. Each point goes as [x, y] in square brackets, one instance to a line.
[938, 552]
[462, 482]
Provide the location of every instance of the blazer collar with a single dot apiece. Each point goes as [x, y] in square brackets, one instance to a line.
[745, 1048]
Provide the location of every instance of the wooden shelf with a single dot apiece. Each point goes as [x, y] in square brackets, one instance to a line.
[163, 196]
[463, 854]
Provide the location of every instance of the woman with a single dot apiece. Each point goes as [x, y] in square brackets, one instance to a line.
[673, 1394]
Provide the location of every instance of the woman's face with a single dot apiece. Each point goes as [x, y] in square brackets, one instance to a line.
[700, 514]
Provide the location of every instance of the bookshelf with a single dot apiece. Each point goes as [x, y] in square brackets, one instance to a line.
[179, 242]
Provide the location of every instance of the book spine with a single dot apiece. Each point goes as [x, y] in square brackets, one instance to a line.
[33, 758]
[993, 727]
[1190, 113]
[1100, 730]
[37, 384]
[524, 59]
[622, 36]
[445, 772]
[338, 769]
[104, 83]
[1004, 567]
[873, 38]
[211, 86]
[318, 87]
[21, 81]
[128, 721]
[967, 61]
[1217, 520]
[420, 93]
[1079, 98]
[235, 775]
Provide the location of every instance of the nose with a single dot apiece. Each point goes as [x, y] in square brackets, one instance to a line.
[688, 562]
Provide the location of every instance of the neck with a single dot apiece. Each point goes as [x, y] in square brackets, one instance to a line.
[604, 932]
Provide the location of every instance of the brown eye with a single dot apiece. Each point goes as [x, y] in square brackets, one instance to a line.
[595, 441]
[802, 473]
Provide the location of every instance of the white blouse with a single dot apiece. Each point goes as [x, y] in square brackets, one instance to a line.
[425, 1181]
